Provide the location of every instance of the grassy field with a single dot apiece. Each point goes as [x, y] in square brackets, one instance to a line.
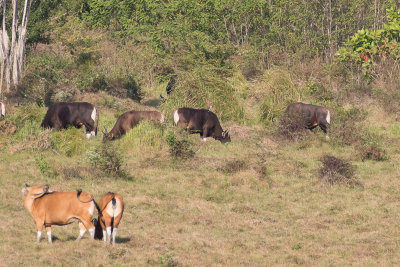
[255, 201]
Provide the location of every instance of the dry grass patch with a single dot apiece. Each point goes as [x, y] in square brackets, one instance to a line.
[337, 171]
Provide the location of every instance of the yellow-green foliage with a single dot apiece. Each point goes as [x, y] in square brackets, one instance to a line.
[201, 88]
[69, 142]
[145, 134]
[27, 118]
[279, 92]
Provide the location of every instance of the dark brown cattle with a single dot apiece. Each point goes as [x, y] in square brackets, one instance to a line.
[130, 119]
[313, 115]
[202, 120]
[61, 115]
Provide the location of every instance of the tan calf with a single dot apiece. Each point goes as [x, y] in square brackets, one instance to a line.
[59, 208]
[111, 207]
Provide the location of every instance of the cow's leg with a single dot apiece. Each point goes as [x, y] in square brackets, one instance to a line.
[205, 134]
[89, 130]
[323, 127]
[117, 219]
[103, 227]
[108, 228]
[89, 226]
[48, 230]
[39, 226]
[82, 231]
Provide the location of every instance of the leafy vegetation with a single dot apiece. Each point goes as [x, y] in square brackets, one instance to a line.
[201, 203]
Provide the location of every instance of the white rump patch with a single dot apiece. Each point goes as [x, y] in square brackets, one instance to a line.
[3, 109]
[91, 208]
[113, 211]
[176, 117]
[93, 114]
[328, 117]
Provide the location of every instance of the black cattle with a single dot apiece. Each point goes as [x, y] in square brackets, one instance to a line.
[313, 115]
[61, 115]
[201, 120]
[169, 87]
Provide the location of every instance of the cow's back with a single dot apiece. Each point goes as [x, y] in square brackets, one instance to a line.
[194, 118]
[58, 206]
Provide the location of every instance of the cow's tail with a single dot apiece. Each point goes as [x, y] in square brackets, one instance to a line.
[96, 122]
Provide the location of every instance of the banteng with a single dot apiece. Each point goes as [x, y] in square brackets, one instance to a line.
[203, 121]
[59, 208]
[2, 109]
[111, 207]
[77, 114]
[130, 119]
[313, 115]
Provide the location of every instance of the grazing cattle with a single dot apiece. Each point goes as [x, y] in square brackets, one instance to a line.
[202, 120]
[61, 115]
[111, 207]
[130, 119]
[59, 208]
[313, 115]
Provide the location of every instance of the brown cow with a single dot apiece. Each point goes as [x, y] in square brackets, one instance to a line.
[111, 206]
[202, 120]
[130, 119]
[313, 115]
[59, 208]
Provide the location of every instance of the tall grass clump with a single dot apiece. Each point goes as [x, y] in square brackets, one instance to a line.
[27, 119]
[203, 87]
[68, 142]
[280, 91]
[145, 134]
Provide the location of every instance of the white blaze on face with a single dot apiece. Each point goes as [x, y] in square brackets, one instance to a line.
[176, 117]
[3, 109]
[328, 117]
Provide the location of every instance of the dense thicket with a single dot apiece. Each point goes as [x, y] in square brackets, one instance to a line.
[123, 47]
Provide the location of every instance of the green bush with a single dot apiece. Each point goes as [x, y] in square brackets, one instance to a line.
[179, 147]
[146, 133]
[69, 142]
[108, 158]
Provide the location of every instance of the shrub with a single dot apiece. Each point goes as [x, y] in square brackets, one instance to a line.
[371, 152]
[337, 171]
[179, 148]
[146, 133]
[292, 127]
[108, 158]
[346, 126]
[44, 166]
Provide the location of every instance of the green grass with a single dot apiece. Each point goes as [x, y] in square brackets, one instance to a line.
[254, 201]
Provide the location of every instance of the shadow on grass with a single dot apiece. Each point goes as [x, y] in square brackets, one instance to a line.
[122, 239]
[155, 102]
